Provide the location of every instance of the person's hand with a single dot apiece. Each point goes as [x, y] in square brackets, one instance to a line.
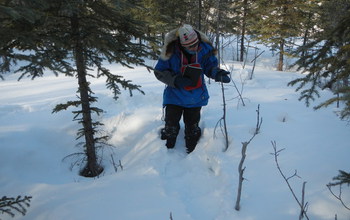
[181, 82]
[222, 76]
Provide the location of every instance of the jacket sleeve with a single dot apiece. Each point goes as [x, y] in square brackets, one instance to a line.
[163, 73]
[166, 77]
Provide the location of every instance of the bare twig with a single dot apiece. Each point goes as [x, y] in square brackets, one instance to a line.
[257, 56]
[79, 157]
[120, 165]
[223, 120]
[224, 117]
[254, 62]
[239, 92]
[115, 165]
[235, 85]
[339, 196]
[303, 206]
[241, 178]
[258, 121]
[294, 175]
[240, 166]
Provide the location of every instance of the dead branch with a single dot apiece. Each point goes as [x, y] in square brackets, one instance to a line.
[303, 206]
[254, 62]
[241, 178]
[243, 152]
[339, 196]
[115, 165]
[224, 117]
[223, 126]
[234, 84]
[258, 121]
[239, 92]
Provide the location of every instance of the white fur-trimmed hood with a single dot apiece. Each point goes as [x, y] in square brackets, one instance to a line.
[173, 36]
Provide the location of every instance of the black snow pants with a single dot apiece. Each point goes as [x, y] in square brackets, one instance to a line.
[191, 118]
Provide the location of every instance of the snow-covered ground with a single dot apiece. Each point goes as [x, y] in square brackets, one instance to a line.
[155, 182]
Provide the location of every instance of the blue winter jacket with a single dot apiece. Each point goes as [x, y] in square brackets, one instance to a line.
[167, 69]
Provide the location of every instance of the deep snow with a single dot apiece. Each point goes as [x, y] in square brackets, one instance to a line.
[154, 181]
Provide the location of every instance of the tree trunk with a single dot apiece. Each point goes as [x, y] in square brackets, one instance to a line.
[306, 35]
[218, 31]
[245, 5]
[199, 24]
[281, 56]
[92, 168]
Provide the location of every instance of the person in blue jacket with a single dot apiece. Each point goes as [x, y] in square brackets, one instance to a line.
[187, 55]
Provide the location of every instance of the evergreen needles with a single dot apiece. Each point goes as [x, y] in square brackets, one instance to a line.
[10, 206]
[74, 39]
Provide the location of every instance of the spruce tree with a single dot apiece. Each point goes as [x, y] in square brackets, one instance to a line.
[326, 59]
[155, 15]
[310, 13]
[245, 9]
[246, 20]
[277, 23]
[73, 38]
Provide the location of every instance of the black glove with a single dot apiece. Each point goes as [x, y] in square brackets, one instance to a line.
[181, 82]
[222, 76]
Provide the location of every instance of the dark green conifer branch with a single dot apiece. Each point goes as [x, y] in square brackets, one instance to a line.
[10, 206]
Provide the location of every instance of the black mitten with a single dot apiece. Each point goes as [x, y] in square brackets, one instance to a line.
[222, 76]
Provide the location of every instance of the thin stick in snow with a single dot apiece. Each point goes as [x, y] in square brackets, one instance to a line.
[223, 119]
[240, 166]
[303, 206]
[339, 196]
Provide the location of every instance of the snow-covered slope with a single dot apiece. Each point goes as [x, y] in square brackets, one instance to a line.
[155, 182]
